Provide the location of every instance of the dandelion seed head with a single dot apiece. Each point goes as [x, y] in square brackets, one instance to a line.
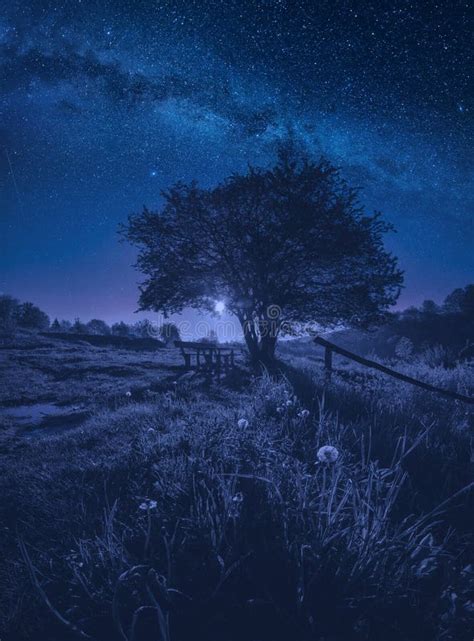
[148, 504]
[328, 454]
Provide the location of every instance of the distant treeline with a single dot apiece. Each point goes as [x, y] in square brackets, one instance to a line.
[447, 329]
[15, 315]
[444, 333]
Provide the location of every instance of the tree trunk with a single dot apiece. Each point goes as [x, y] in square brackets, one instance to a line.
[261, 349]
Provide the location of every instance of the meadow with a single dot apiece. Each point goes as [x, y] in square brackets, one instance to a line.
[264, 508]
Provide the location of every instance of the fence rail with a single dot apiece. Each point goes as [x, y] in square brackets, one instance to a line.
[331, 347]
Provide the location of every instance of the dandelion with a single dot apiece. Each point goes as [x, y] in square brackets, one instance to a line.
[328, 454]
[242, 423]
[128, 394]
[148, 504]
[303, 414]
[238, 498]
[289, 403]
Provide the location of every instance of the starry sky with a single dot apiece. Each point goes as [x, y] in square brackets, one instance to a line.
[105, 103]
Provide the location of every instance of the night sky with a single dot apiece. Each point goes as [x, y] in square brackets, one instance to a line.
[103, 104]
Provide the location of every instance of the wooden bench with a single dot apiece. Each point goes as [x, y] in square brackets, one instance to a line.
[206, 357]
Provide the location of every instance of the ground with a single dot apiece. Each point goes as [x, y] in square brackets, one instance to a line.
[179, 510]
[52, 383]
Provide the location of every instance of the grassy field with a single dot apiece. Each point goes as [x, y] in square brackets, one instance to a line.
[189, 512]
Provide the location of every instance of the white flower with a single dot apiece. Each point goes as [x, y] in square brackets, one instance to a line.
[303, 414]
[242, 423]
[238, 498]
[148, 504]
[129, 393]
[328, 454]
[150, 430]
[289, 403]
[280, 410]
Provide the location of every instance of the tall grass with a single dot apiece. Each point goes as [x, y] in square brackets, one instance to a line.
[168, 520]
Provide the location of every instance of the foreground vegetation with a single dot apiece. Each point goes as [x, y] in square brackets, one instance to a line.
[207, 514]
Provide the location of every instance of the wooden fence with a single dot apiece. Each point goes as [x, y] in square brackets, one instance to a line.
[331, 347]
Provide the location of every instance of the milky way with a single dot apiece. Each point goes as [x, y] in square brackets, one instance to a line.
[103, 104]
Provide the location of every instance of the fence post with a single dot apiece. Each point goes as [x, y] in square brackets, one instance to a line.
[328, 364]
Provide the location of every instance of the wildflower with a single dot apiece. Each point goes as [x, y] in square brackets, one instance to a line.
[280, 410]
[238, 498]
[303, 414]
[328, 454]
[289, 403]
[128, 393]
[242, 423]
[148, 504]
[150, 430]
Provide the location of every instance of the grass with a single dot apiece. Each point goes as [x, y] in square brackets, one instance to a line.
[161, 518]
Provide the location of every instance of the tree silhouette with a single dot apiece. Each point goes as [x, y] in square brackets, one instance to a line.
[120, 329]
[169, 332]
[284, 245]
[98, 326]
[461, 301]
[79, 327]
[9, 310]
[32, 317]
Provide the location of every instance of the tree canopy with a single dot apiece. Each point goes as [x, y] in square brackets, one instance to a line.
[282, 245]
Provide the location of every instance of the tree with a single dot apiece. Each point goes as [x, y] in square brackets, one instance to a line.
[55, 326]
[97, 326]
[144, 329]
[78, 327]
[429, 307]
[9, 308]
[120, 329]
[284, 245]
[169, 333]
[460, 301]
[66, 326]
[32, 317]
